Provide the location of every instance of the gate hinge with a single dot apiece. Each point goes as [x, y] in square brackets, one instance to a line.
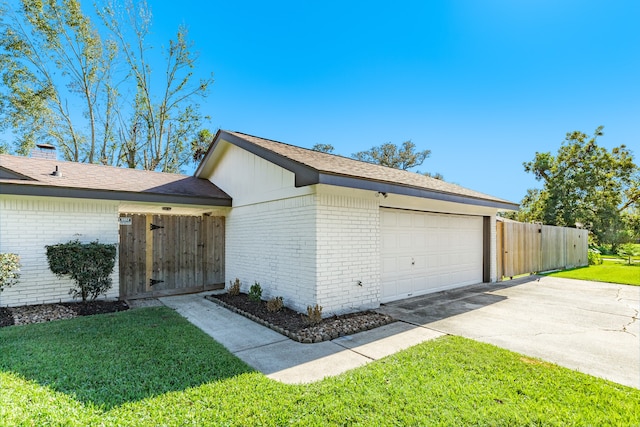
[155, 282]
[155, 227]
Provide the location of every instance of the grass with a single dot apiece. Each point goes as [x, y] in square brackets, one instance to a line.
[608, 271]
[151, 367]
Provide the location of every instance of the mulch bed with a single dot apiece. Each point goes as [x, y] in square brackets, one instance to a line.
[6, 318]
[294, 325]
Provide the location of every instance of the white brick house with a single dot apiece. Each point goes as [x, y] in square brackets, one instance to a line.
[311, 227]
[317, 228]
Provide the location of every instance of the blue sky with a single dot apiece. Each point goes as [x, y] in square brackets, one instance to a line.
[482, 84]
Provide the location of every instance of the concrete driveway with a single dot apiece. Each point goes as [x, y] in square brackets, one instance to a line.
[586, 326]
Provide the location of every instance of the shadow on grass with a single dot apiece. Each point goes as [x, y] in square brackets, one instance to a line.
[108, 360]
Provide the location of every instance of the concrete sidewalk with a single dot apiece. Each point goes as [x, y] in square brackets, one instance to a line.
[288, 361]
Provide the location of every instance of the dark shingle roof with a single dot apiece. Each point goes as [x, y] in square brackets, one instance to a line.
[313, 167]
[24, 175]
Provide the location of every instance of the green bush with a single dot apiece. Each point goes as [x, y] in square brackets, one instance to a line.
[89, 264]
[9, 270]
[594, 256]
[255, 292]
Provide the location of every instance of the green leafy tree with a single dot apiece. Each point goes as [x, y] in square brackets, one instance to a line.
[89, 90]
[323, 148]
[403, 157]
[583, 185]
[200, 144]
[54, 72]
[628, 250]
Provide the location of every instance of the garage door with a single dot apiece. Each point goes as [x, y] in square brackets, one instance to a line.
[428, 252]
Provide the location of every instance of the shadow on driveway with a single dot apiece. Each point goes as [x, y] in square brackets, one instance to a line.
[426, 309]
[587, 326]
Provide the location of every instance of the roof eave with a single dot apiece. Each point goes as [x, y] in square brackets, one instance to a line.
[82, 193]
[386, 187]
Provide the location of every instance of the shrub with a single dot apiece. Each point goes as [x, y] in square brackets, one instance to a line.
[314, 315]
[88, 264]
[234, 287]
[9, 270]
[594, 256]
[255, 292]
[275, 304]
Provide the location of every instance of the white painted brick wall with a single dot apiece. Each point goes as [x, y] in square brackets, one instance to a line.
[348, 255]
[310, 250]
[27, 224]
[273, 243]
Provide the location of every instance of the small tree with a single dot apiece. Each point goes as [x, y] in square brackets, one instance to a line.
[628, 250]
[88, 264]
[9, 270]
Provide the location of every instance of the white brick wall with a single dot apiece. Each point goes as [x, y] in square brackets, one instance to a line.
[348, 252]
[27, 224]
[273, 243]
[317, 249]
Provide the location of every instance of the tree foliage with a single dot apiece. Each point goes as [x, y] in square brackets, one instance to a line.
[403, 157]
[200, 144]
[323, 148]
[585, 185]
[88, 88]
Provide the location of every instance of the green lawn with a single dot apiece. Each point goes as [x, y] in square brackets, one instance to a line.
[608, 271]
[151, 367]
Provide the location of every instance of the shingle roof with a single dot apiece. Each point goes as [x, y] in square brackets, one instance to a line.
[24, 175]
[318, 167]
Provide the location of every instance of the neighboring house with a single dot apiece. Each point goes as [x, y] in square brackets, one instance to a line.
[311, 227]
[45, 202]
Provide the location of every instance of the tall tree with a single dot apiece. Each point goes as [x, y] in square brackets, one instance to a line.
[91, 92]
[54, 73]
[583, 184]
[404, 157]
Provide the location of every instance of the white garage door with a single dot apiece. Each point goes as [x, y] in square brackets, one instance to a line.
[428, 252]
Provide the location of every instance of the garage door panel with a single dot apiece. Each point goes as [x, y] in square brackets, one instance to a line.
[431, 252]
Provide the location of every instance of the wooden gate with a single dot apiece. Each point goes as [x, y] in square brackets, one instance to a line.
[169, 254]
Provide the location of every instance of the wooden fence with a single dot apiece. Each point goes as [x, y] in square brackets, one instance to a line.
[530, 248]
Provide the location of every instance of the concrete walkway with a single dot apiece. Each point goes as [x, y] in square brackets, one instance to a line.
[587, 326]
[289, 361]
